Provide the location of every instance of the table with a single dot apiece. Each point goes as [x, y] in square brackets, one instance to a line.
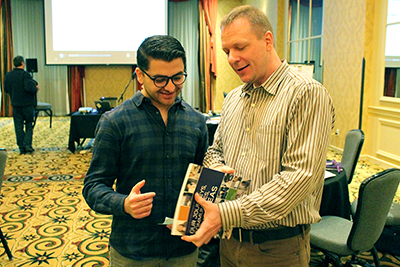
[335, 197]
[83, 125]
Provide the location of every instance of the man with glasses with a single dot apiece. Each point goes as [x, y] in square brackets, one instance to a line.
[144, 146]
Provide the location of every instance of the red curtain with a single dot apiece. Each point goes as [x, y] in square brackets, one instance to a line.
[6, 56]
[390, 82]
[75, 87]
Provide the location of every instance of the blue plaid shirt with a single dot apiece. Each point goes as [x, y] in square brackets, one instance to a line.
[132, 143]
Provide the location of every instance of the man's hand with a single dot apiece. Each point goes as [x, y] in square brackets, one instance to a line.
[210, 225]
[139, 205]
[225, 169]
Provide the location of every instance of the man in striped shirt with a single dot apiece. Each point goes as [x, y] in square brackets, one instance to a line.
[275, 131]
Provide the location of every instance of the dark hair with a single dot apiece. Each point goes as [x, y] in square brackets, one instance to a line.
[161, 47]
[18, 60]
[258, 19]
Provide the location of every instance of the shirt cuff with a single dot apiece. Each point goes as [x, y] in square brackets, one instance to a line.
[213, 165]
[231, 215]
[119, 201]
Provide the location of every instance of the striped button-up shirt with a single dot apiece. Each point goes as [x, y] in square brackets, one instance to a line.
[277, 136]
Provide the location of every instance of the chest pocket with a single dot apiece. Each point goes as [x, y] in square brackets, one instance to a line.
[187, 142]
[267, 142]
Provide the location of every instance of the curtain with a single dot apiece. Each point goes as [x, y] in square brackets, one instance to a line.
[29, 42]
[6, 47]
[390, 82]
[76, 75]
[183, 18]
[208, 60]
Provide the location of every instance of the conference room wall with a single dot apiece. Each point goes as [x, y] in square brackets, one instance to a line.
[107, 81]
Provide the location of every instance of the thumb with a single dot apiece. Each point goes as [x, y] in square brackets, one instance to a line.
[137, 187]
[227, 169]
[200, 200]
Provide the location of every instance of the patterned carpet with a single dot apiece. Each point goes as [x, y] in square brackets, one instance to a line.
[44, 216]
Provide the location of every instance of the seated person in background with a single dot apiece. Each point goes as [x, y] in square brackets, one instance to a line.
[145, 145]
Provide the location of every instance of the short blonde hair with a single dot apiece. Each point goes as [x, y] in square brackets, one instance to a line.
[257, 18]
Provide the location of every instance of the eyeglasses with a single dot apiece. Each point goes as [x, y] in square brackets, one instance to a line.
[161, 81]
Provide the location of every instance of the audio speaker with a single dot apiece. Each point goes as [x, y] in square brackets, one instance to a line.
[31, 65]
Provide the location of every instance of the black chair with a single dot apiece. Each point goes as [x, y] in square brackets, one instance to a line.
[3, 160]
[351, 152]
[336, 237]
[46, 108]
[393, 218]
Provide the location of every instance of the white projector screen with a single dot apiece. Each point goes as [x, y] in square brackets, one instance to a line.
[100, 32]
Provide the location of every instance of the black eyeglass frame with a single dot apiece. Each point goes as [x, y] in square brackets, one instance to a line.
[166, 77]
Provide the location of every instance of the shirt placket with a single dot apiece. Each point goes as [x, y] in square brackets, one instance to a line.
[168, 158]
[248, 113]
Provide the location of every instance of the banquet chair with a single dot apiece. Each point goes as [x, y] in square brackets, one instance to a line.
[336, 237]
[393, 218]
[3, 160]
[46, 108]
[351, 152]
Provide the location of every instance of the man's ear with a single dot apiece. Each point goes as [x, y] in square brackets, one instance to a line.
[269, 40]
[139, 75]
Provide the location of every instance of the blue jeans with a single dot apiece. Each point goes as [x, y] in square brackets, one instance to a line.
[23, 125]
[117, 260]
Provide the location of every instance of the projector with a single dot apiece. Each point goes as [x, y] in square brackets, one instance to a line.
[85, 110]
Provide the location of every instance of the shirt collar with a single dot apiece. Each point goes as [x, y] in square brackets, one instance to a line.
[138, 98]
[272, 83]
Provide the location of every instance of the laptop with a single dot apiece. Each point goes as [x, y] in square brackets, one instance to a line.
[102, 106]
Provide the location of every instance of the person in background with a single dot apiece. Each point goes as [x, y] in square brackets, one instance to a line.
[144, 146]
[274, 131]
[22, 89]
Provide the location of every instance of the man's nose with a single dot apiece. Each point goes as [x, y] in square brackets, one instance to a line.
[170, 86]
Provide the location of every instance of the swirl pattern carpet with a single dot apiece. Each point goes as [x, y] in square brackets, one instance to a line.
[44, 217]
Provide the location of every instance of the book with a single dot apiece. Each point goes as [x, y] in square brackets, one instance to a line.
[212, 185]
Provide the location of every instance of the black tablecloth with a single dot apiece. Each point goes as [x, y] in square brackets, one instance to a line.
[335, 197]
[212, 127]
[82, 126]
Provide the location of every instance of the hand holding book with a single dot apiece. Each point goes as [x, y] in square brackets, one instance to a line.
[211, 186]
[210, 225]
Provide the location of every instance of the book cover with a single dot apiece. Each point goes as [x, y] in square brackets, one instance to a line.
[212, 185]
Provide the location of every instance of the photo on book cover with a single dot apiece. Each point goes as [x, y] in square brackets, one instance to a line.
[212, 185]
